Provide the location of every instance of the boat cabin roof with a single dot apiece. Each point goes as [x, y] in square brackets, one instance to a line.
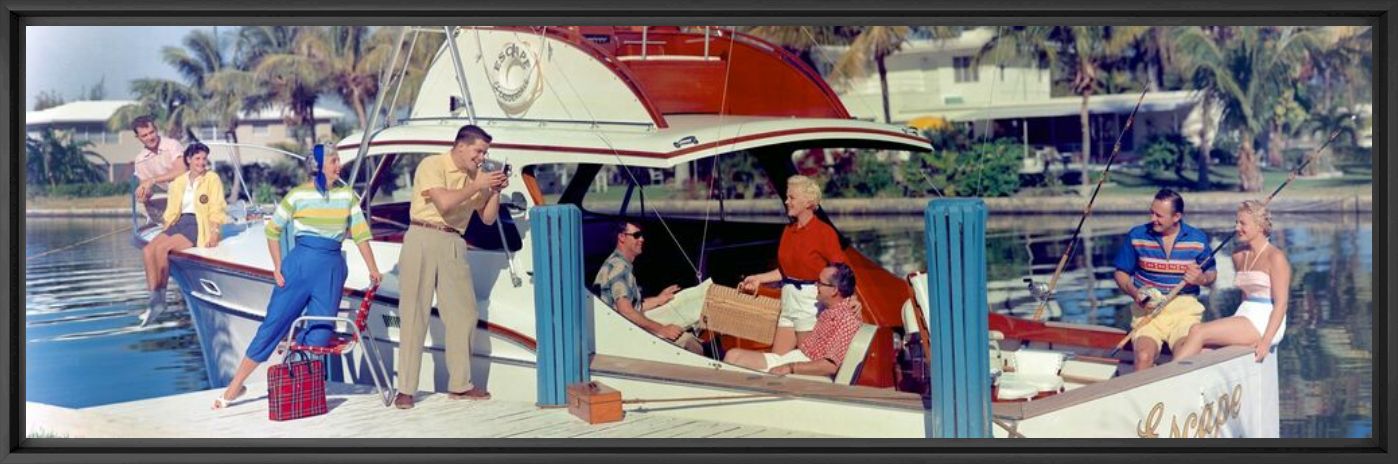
[688, 138]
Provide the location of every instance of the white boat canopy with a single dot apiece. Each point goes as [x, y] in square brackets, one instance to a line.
[688, 138]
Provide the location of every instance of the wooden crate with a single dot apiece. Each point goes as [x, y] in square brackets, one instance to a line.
[594, 402]
[750, 317]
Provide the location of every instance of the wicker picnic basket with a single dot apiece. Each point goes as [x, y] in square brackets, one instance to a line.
[750, 317]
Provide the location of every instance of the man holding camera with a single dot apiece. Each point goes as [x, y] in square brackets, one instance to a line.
[1156, 257]
[447, 189]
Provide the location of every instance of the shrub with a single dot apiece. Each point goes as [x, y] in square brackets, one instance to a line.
[868, 177]
[86, 190]
[1166, 153]
[985, 169]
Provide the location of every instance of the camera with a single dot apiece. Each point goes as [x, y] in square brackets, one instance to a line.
[492, 166]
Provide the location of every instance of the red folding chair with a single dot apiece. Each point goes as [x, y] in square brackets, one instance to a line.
[341, 342]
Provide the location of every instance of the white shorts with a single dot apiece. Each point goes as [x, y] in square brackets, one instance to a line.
[1258, 313]
[774, 360]
[798, 307]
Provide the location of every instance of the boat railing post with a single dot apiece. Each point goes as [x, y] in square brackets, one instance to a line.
[957, 319]
[563, 330]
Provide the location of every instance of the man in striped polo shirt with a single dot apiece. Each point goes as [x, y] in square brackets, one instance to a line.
[1159, 255]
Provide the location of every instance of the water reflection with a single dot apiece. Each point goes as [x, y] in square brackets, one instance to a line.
[82, 306]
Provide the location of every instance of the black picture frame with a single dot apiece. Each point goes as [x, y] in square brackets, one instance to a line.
[15, 448]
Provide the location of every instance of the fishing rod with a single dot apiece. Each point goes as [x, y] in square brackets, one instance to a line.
[1043, 293]
[1174, 292]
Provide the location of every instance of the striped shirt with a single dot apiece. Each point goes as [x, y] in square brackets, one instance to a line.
[326, 217]
[1143, 257]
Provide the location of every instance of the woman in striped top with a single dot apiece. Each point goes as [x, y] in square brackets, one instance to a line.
[312, 278]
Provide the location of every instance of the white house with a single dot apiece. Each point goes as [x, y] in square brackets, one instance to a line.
[87, 120]
[1002, 97]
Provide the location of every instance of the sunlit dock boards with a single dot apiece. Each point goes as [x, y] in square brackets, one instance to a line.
[356, 413]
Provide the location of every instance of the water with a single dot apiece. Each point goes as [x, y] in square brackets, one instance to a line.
[82, 308]
[83, 304]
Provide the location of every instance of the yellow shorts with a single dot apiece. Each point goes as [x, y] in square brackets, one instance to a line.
[1173, 323]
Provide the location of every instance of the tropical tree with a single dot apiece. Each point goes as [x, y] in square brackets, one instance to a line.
[181, 105]
[1244, 69]
[1336, 120]
[805, 42]
[174, 103]
[1081, 50]
[1341, 67]
[874, 43]
[58, 158]
[297, 78]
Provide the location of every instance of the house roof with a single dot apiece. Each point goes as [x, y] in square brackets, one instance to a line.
[98, 111]
[1066, 106]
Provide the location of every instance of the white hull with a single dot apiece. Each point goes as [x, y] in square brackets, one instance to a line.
[227, 303]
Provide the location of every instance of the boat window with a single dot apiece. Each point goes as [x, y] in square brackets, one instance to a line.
[704, 187]
[397, 184]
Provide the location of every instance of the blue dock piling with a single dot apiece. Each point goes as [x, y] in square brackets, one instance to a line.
[562, 328]
[957, 319]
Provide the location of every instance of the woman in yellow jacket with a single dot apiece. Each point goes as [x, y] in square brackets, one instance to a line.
[194, 213]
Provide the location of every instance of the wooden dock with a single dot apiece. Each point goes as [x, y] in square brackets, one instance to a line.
[355, 412]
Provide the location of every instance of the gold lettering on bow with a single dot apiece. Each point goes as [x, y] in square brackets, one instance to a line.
[1207, 422]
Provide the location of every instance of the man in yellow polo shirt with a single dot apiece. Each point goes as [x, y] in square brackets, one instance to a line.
[447, 189]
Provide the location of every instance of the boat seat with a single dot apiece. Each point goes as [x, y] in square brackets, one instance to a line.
[918, 281]
[1078, 372]
[854, 358]
[1036, 371]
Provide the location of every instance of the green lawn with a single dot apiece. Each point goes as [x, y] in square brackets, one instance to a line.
[1131, 182]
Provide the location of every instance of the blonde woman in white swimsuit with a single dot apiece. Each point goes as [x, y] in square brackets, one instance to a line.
[1264, 276]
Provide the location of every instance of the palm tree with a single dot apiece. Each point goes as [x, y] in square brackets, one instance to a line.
[202, 55]
[176, 104]
[1341, 66]
[351, 61]
[420, 50]
[58, 158]
[1244, 69]
[296, 77]
[1323, 124]
[874, 43]
[803, 41]
[1083, 50]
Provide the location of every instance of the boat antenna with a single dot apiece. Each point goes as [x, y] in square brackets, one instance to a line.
[461, 73]
[1043, 294]
[714, 166]
[1174, 292]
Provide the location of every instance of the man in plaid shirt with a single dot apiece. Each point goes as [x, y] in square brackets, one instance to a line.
[662, 315]
[822, 352]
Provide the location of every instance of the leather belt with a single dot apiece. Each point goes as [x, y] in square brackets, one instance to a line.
[429, 225]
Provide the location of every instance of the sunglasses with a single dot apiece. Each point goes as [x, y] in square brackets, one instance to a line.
[822, 283]
[637, 234]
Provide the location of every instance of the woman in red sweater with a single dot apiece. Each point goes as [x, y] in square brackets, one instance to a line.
[808, 245]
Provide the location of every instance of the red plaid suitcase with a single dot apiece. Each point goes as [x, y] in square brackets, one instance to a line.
[296, 389]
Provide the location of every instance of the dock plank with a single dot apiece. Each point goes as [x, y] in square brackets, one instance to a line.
[356, 412]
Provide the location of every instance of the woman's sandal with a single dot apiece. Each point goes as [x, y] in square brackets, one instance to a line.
[221, 402]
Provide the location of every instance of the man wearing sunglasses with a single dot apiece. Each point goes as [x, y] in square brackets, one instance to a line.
[822, 352]
[616, 283]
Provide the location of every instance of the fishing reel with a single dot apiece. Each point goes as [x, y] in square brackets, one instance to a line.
[1038, 290]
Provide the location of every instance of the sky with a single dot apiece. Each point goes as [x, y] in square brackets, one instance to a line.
[67, 59]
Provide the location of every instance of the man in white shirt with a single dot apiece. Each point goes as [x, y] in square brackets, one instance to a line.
[158, 163]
